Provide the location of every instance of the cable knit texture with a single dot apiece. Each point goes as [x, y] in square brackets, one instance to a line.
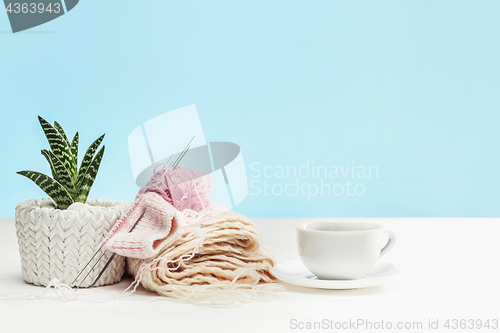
[160, 223]
[56, 243]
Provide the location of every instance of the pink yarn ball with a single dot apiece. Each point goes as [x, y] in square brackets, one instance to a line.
[188, 190]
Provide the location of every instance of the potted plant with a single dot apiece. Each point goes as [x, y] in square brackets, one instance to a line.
[58, 235]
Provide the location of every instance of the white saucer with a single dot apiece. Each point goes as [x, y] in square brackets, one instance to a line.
[294, 272]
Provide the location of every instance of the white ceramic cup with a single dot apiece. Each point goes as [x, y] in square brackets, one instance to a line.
[341, 250]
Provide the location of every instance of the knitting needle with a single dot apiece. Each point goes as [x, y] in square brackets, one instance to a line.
[105, 267]
[90, 271]
[88, 263]
[179, 155]
[98, 260]
[181, 158]
[169, 159]
[114, 254]
[184, 150]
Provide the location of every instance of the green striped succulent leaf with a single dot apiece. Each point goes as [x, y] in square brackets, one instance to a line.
[61, 131]
[89, 177]
[58, 145]
[45, 153]
[87, 159]
[62, 173]
[73, 148]
[53, 189]
[68, 184]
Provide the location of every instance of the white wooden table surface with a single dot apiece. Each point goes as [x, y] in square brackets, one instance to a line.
[449, 270]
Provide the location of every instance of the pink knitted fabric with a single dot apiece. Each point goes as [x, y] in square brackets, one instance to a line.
[160, 224]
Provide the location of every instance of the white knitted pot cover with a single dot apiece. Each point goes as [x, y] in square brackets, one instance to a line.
[56, 243]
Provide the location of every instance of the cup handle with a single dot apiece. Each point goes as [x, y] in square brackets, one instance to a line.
[390, 242]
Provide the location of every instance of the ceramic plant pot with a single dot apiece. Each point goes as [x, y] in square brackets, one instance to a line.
[56, 243]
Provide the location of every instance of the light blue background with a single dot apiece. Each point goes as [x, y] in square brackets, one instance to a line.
[409, 86]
